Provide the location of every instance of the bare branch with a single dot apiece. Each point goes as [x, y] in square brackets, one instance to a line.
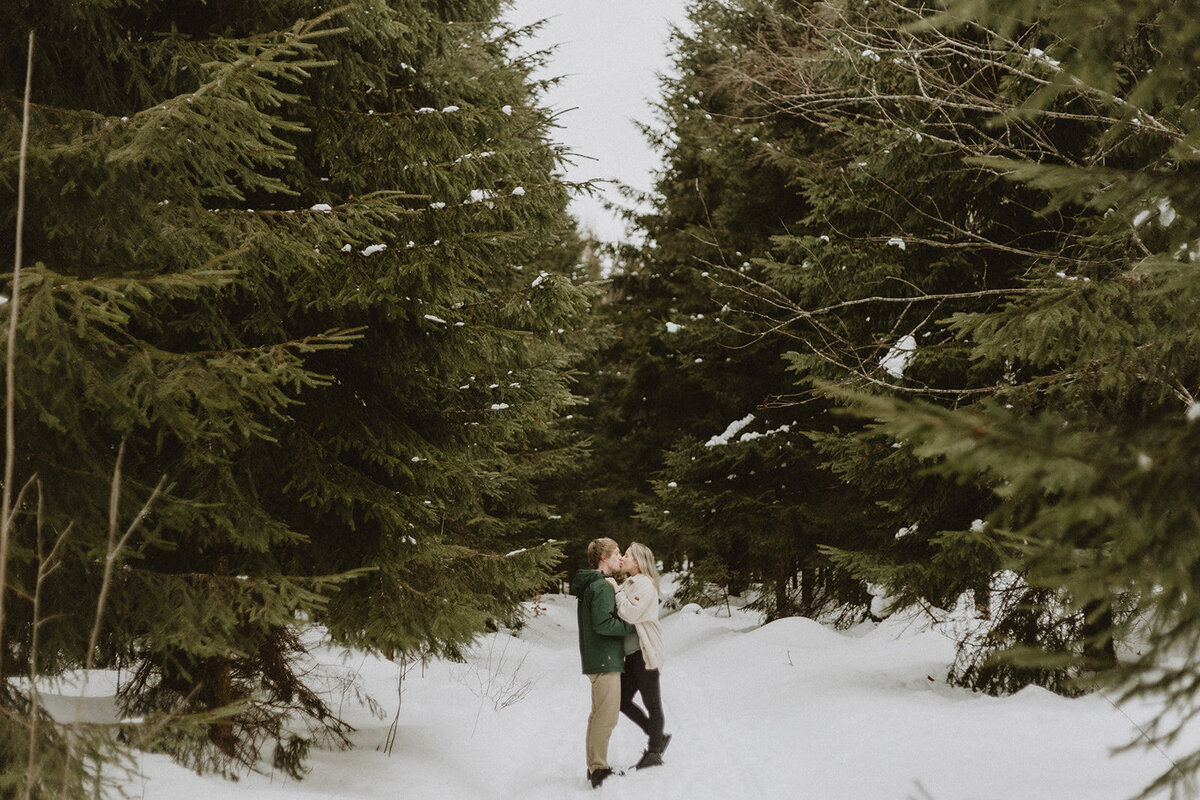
[10, 375]
[113, 550]
[48, 563]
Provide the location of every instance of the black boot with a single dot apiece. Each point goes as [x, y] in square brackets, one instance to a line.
[661, 746]
[650, 759]
[597, 776]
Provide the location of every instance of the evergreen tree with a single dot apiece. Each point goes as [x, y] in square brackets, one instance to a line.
[1059, 374]
[898, 234]
[1091, 448]
[693, 367]
[278, 297]
[901, 218]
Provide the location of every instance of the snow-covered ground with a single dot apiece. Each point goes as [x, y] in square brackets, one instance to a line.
[787, 710]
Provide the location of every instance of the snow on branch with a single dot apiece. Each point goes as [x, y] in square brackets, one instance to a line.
[898, 358]
[733, 430]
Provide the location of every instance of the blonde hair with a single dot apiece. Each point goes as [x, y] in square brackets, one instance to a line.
[645, 561]
[600, 549]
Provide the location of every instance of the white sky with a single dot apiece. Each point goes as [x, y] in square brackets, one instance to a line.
[609, 52]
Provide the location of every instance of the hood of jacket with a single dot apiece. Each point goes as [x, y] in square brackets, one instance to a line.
[585, 578]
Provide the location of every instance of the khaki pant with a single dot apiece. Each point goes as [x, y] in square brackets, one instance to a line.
[606, 705]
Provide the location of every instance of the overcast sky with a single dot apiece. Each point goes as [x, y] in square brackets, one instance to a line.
[609, 52]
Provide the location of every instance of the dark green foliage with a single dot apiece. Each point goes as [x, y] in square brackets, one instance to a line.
[1009, 185]
[752, 511]
[1093, 453]
[765, 212]
[688, 364]
[906, 226]
[286, 261]
[900, 233]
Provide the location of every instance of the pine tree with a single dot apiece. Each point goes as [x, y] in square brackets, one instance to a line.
[281, 267]
[1091, 449]
[1072, 398]
[897, 234]
[899, 221]
[692, 368]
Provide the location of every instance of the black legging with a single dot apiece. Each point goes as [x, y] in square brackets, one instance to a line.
[637, 678]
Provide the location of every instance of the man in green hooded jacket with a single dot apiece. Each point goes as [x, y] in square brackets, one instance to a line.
[601, 649]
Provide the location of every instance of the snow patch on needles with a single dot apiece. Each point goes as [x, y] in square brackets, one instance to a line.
[896, 241]
[432, 318]
[898, 358]
[374, 248]
[733, 430]
[674, 327]
[1192, 414]
[324, 208]
[1166, 213]
[1040, 55]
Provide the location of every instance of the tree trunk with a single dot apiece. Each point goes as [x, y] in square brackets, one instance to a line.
[1099, 649]
[808, 585]
[216, 676]
[783, 598]
[983, 601]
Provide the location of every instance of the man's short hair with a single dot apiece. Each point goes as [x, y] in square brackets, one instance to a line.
[600, 549]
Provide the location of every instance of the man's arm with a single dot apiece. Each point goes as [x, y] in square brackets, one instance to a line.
[604, 612]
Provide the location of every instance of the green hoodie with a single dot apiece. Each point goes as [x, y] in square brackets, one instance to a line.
[601, 631]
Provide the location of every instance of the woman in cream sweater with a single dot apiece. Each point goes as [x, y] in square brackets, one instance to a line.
[637, 604]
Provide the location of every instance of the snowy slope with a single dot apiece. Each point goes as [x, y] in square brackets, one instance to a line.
[787, 710]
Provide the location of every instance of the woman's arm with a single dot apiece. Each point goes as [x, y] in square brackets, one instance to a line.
[604, 621]
[635, 599]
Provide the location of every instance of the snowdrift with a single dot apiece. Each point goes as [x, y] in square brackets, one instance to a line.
[786, 710]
